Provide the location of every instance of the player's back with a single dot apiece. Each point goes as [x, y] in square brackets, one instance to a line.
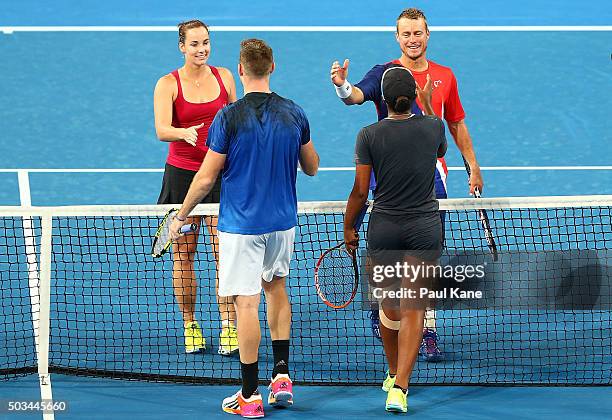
[265, 133]
[403, 156]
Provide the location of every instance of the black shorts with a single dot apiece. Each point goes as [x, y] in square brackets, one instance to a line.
[418, 235]
[176, 184]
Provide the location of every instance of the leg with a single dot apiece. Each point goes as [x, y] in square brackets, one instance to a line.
[401, 346]
[279, 320]
[186, 288]
[430, 351]
[226, 305]
[183, 275]
[276, 267]
[228, 338]
[389, 333]
[249, 337]
[247, 402]
[412, 313]
[389, 328]
[409, 337]
[249, 333]
[429, 347]
[240, 259]
[279, 308]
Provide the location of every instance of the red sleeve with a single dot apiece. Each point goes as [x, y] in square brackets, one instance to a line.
[453, 110]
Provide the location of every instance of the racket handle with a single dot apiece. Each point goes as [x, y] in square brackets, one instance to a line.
[469, 172]
[361, 216]
[189, 228]
[467, 166]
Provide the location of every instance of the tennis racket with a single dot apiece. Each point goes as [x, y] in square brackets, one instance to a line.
[162, 241]
[484, 219]
[337, 272]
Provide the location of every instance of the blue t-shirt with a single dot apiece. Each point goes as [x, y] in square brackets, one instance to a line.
[261, 136]
[370, 85]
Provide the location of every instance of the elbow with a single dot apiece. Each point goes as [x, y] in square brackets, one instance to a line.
[160, 135]
[203, 184]
[163, 134]
[359, 195]
[312, 167]
[311, 171]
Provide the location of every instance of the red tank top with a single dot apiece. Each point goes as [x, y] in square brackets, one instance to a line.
[187, 114]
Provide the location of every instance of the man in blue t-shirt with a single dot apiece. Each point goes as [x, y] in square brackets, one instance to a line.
[256, 143]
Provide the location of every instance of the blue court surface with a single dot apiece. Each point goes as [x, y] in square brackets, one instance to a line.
[538, 109]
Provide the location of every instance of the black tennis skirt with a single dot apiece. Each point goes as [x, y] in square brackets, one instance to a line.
[176, 183]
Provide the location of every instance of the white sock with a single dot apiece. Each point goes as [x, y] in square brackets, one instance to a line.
[225, 323]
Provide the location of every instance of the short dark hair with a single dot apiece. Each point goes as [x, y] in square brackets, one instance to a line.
[256, 57]
[183, 27]
[412, 13]
[401, 105]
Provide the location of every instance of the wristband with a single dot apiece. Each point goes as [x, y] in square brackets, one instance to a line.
[179, 219]
[345, 90]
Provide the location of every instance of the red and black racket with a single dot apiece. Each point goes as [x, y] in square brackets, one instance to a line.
[337, 272]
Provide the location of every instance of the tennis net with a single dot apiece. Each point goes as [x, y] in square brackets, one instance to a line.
[112, 310]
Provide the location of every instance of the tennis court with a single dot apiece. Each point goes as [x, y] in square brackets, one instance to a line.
[77, 125]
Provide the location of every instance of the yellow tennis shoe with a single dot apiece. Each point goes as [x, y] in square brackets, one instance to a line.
[388, 382]
[194, 341]
[228, 341]
[397, 401]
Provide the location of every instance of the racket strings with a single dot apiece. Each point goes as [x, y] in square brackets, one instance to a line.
[337, 276]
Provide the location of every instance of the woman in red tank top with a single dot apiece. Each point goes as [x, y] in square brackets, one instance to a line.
[186, 102]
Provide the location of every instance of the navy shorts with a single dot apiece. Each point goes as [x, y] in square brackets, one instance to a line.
[418, 235]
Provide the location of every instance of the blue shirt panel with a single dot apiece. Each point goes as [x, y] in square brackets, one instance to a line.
[261, 136]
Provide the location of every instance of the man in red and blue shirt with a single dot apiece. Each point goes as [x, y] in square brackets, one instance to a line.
[412, 36]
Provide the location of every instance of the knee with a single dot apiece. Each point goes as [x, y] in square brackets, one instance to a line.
[246, 303]
[276, 286]
[184, 254]
[391, 321]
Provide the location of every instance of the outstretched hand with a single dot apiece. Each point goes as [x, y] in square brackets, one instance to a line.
[424, 94]
[339, 74]
[191, 134]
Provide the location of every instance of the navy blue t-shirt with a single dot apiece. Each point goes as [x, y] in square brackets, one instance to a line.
[261, 136]
[370, 85]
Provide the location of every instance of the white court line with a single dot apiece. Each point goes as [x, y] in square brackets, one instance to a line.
[324, 169]
[512, 28]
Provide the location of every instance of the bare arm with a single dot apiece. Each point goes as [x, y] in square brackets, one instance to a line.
[309, 159]
[163, 99]
[425, 95]
[462, 138]
[355, 203]
[200, 187]
[338, 77]
[356, 97]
